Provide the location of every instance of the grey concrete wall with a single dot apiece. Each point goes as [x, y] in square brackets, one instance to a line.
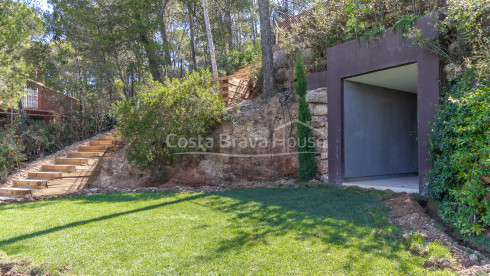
[380, 131]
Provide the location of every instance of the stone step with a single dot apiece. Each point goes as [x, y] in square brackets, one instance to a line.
[15, 191]
[74, 161]
[108, 137]
[60, 168]
[93, 148]
[32, 183]
[114, 132]
[86, 154]
[102, 143]
[44, 175]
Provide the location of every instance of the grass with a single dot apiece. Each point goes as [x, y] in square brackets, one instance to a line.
[321, 231]
[416, 244]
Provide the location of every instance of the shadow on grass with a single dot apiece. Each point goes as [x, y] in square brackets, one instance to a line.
[108, 197]
[94, 199]
[333, 216]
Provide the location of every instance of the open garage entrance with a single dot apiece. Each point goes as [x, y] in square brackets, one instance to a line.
[381, 100]
[380, 129]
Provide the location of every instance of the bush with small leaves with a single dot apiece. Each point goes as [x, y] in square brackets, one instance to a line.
[161, 115]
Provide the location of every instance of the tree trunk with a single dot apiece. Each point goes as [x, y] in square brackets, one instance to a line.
[253, 28]
[191, 29]
[163, 32]
[152, 58]
[266, 43]
[254, 22]
[214, 67]
[286, 9]
[228, 25]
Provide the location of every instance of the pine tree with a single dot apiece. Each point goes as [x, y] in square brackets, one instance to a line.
[306, 147]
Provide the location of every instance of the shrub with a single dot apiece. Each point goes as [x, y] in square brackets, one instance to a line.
[235, 60]
[43, 139]
[306, 146]
[460, 142]
[334, 22]
[460, 150]
[160, 114]
[11, 151]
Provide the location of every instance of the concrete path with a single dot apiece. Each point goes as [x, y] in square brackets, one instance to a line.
[398, 185]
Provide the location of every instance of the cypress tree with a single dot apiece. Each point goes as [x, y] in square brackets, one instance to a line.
[306, 146]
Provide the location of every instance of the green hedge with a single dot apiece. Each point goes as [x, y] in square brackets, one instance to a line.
[460, 151]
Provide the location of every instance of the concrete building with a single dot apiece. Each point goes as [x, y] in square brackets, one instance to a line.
[381, 99]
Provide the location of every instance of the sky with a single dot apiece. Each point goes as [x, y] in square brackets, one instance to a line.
[42, 4]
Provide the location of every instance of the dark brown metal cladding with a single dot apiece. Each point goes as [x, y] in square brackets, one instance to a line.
[356, 58]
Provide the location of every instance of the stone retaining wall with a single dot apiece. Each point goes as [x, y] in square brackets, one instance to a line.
[318, 101]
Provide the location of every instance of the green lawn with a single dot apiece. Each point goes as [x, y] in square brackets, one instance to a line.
[285, 231]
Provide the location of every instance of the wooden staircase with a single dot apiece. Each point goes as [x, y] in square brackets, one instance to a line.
[237, 87]
[69, 174]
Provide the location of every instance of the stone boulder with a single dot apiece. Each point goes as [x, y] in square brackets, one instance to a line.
[314, 96]
[280, 59]
[308, 57]
[320, 109]
[280, 75]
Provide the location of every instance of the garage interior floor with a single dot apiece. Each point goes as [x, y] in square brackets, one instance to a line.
[398, 185]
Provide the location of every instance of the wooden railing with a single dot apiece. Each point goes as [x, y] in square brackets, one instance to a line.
[237, 87]
[31, 100]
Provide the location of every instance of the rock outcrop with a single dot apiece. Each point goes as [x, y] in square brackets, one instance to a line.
[256, 142]
[284, 64]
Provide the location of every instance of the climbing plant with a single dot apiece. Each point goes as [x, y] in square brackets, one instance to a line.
[460, 151]
[306, 142]
[460, 141]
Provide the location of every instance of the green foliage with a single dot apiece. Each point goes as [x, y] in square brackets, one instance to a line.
[405, 23]
[11, 151]
[373, 33]
[41, 139]
[235, 60]
[417, 245]
[466, 29]
[306, 142]
[460, 151]
[18, 23]
[34, 139]
[460, 142]
[153, 121]
[353, 19]
[354, 25]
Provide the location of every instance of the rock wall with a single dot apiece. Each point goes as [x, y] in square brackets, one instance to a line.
[318, 101]
[257, 141]
[259, 128]
[284, 65]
